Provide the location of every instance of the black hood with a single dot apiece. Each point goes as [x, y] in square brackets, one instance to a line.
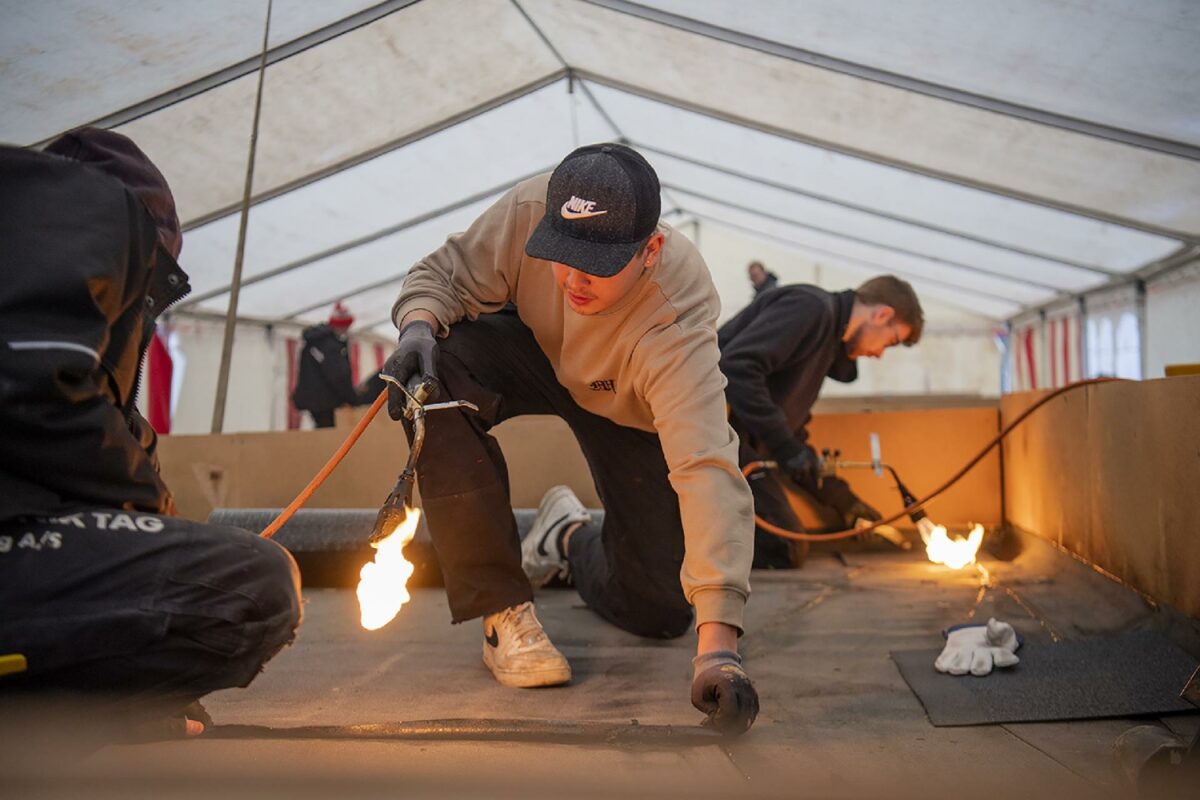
[118, 156]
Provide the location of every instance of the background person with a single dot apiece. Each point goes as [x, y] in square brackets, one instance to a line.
[760, 278]
[323, 377]
[776, 354]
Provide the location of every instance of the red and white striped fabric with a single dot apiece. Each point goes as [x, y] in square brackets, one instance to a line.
[159, 374]
[1046, 353]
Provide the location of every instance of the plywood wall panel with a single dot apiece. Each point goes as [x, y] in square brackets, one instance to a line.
[926, 447]
[1112, 472]
[269, 469]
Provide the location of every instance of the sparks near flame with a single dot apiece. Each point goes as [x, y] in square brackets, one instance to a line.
[383, 582]
[955, 553]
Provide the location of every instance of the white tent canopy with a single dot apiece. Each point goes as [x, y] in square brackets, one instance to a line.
[1001, 156]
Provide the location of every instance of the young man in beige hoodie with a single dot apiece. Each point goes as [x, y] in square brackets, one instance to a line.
[569, 297]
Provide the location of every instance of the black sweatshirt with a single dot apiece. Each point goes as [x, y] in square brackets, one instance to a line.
[776, 353]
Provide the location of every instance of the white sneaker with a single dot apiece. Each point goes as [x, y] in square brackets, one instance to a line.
[519, 653]
[541, 557]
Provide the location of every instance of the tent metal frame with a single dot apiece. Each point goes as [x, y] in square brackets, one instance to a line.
[875, 158]
[876, 212]
[865, 263]
[359, 241]
[247, 66]
[385, 148]
[870, 243]
[576, 78]
[905, 82]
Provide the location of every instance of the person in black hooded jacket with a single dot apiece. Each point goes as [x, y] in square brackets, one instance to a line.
[103, 591]
[776, 354]
[323, 377]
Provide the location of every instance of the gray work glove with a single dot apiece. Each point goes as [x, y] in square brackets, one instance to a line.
[415, 357]
[978, 648]
[836, 494]
[804, 468]
[722, 689]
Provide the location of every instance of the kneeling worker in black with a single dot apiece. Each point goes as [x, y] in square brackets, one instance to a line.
[776, 353]
[613, 330]
[103, 592]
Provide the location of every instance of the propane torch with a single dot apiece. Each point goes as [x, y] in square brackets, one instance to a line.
[395, 507]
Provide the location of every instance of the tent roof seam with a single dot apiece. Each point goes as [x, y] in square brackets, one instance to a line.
[904, 82]
[877, 213]
[1068, 208]
[246, 66]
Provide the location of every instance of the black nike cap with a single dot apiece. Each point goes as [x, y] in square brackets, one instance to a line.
[602, 204]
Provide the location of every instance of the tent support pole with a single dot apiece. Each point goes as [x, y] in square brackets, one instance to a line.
[218, 420]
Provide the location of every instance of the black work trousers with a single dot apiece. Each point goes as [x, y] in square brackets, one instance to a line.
[154, 610]
[627, 571]
[771, 504]
[324, 418]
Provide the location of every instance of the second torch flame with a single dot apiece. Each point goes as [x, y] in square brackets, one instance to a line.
[383, 582]
[955, 553]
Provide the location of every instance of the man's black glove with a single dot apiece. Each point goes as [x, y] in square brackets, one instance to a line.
[415, 357]
[804, 468]
[836, 494]
[721, 689]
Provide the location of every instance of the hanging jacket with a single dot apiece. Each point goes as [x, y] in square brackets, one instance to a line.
[323, 380]
[776, 353]
[85, 276]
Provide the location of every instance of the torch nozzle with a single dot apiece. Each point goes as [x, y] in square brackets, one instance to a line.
[394, 509]
[909, 500]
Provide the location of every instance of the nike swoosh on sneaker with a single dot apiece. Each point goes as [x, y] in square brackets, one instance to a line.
[569, 214]
[491, 638]
[541, 546]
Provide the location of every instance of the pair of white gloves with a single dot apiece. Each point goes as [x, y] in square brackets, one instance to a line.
[978, 648]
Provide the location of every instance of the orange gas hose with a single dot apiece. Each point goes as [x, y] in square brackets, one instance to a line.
[799, 536]
[330, 465]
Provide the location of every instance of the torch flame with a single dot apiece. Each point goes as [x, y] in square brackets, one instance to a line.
[955, 553]
[383, 582]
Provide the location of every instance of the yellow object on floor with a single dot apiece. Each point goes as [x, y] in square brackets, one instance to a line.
[1182, 369]
[13, 663]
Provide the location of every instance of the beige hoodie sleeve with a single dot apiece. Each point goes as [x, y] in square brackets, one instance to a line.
[685, 391]
[474, 272]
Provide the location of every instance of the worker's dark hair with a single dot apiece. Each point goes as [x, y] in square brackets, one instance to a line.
[888, 290]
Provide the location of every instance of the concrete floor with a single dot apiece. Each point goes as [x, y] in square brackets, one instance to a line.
[837, 719]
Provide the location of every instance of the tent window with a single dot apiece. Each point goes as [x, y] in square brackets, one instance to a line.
[1128, 348]
[1101, 349]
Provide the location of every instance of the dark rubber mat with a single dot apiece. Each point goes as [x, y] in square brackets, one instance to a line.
[1137, 673]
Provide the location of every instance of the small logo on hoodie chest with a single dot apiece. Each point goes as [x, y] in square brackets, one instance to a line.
[604, 385]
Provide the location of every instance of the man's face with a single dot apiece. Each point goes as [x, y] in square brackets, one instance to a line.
[587, 294]
[878, 332]
[757, 273]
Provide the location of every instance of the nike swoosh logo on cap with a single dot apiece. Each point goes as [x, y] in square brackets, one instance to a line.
[582, 209]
